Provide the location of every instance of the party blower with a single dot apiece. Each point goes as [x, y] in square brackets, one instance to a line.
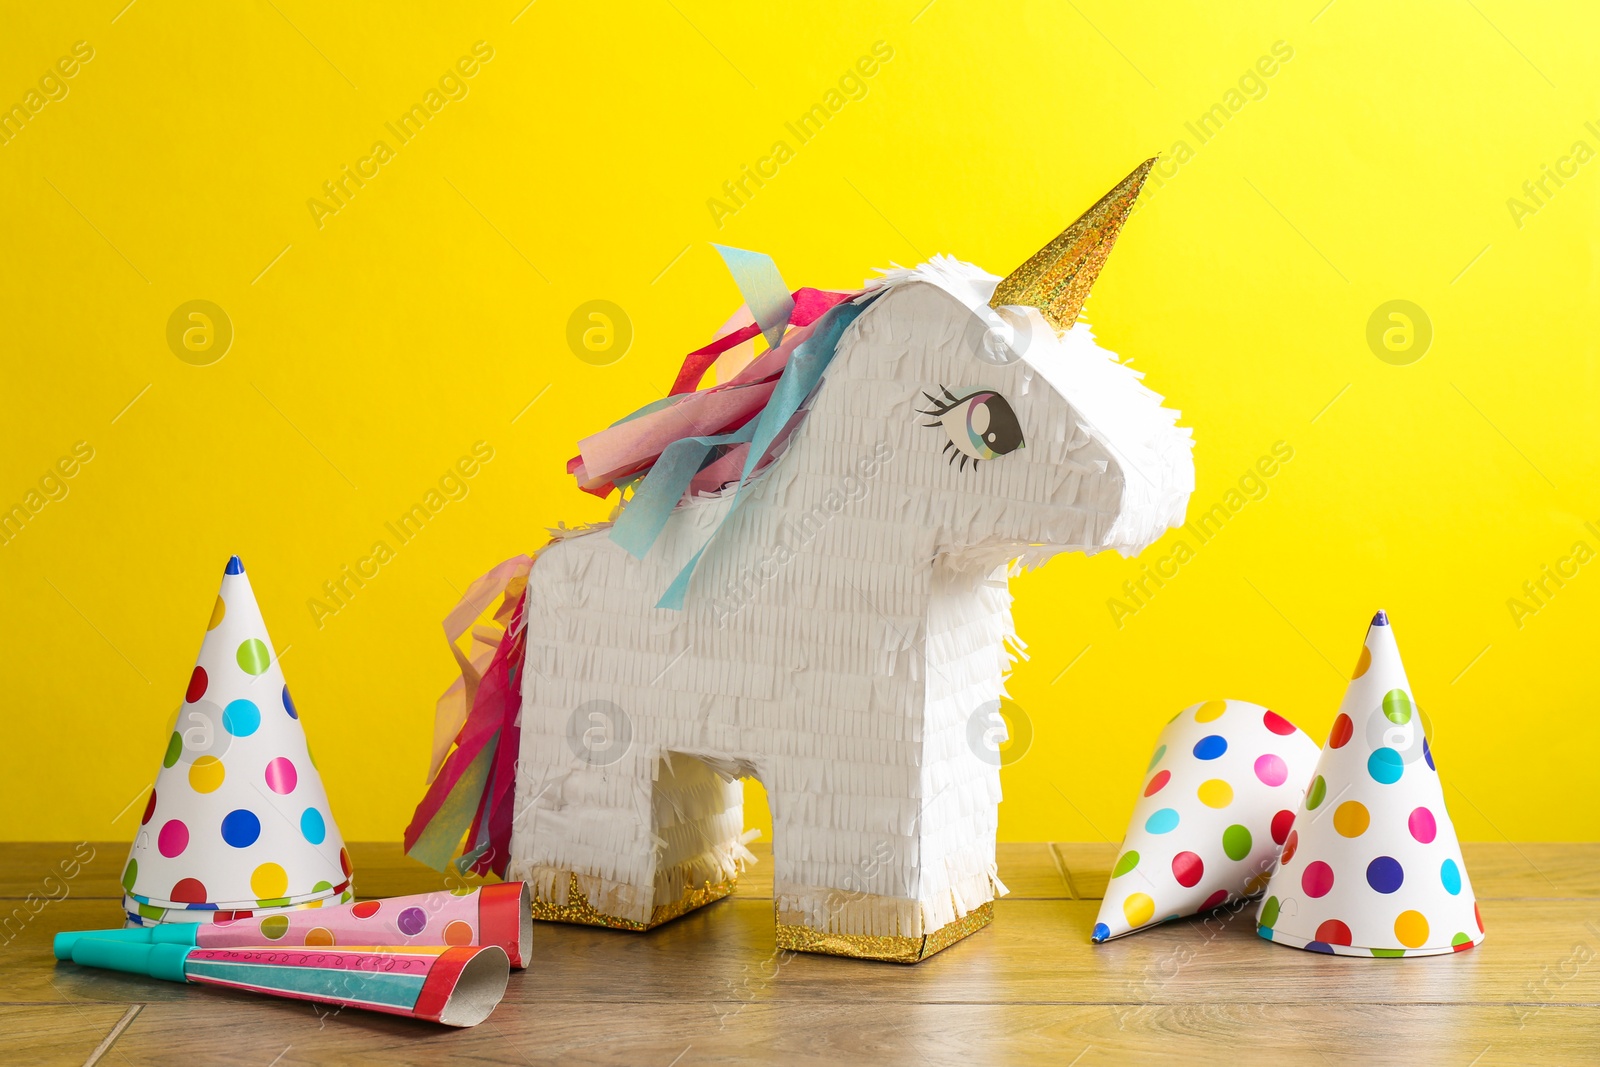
[498, 914]
[452, 985]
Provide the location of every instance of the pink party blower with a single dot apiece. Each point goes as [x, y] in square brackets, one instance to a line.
[455, 986]
[499, 914]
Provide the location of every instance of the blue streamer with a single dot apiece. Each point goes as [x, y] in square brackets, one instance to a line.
[800, 377]
[763, 290]
[642, 521]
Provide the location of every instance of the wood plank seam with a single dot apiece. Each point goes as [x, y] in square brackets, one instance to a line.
[111, 1038]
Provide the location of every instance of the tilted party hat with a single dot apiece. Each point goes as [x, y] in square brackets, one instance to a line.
[238, 818]
[1216, 805]
[1372, 866]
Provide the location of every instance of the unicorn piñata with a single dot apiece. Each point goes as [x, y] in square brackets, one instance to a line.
[807, 585]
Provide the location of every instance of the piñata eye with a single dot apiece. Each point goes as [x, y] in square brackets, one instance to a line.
[980, 425]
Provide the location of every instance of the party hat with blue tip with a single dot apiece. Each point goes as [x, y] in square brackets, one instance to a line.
[238, 820]
[1372, 866]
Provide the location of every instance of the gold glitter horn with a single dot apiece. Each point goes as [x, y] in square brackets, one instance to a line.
[1057, 278]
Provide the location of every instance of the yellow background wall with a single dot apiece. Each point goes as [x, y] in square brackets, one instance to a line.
[373, 346]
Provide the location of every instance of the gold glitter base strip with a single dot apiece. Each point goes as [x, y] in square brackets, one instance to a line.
[894, 949]
[579, 910]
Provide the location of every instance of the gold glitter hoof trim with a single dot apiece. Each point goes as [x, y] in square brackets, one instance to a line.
[578, 909]
[895, 949]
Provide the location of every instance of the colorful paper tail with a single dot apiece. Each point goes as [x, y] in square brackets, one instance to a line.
[456, 986]
[472, 795]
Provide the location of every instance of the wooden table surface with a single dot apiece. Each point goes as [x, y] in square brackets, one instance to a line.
[710, 988]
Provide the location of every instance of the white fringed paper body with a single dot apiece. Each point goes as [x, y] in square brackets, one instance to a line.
[838, 636]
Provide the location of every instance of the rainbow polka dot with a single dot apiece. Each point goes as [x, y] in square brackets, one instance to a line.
[1162, 822]
[312, 826]
[240, 828]
[1317, 794]
[1125, 863]
[206, 774]
[197, 685]
[1343, 730]
[1210, 711]
[188, 891]
[253, 657]
[1271, 769]
[1385, 766]
[1279, 725]
[241, 718]
[1351, 818]
[1450, 877]
[173, 839]
[1411, 929]
[1210, 747]
[1422, 825]
[1385, 875]
[1316, 879]
[269, 881]
[1188, 869]
[1215, 793]
[1139, 909]
[1236, 841]
[281, 776]
[411, 921]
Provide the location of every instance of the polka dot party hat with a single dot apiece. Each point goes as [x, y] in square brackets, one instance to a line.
[1216, 805]
[238, 819]
[1372, 866]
